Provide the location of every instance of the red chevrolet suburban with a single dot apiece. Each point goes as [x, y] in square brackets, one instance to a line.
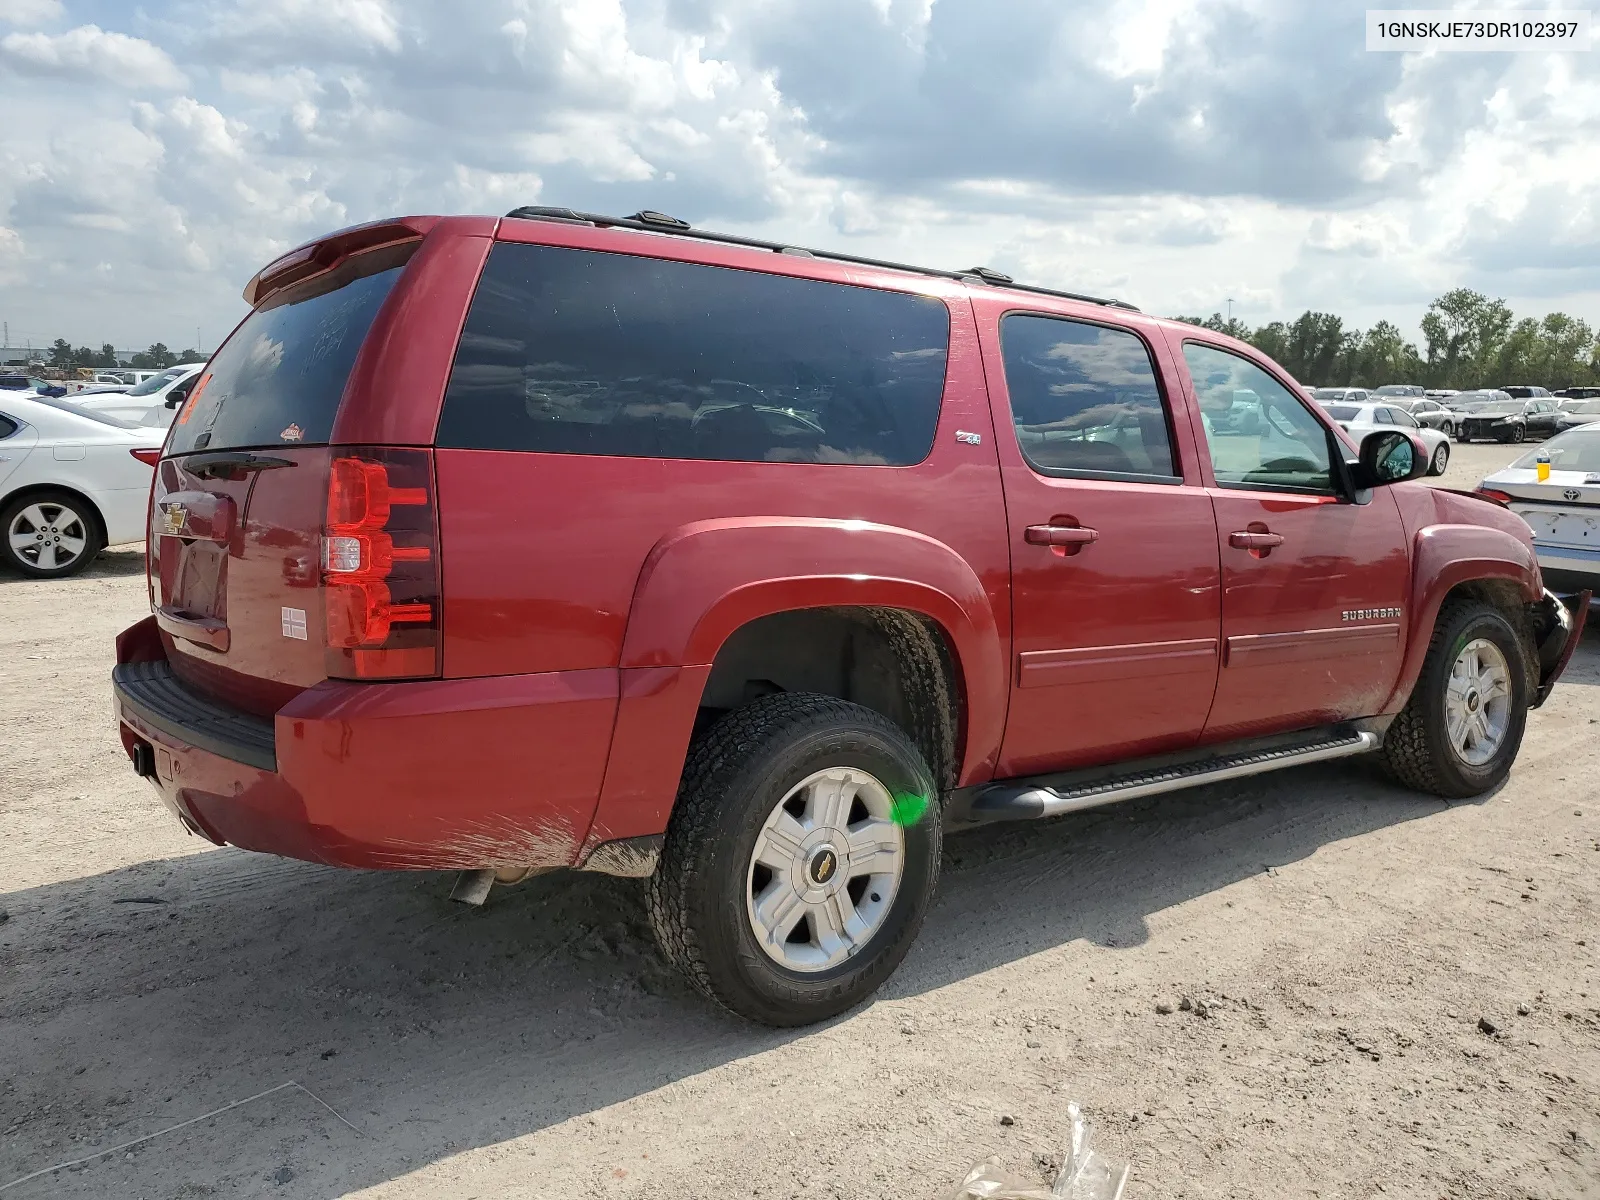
[559, 540]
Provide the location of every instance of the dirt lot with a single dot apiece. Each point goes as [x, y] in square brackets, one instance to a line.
[1345, 937]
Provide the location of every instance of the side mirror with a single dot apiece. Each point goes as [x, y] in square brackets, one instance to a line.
[1390, 456]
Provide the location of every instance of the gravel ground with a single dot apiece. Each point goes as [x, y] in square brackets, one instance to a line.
[1388, 995]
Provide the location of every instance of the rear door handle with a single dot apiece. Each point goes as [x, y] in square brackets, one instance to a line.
[1249, 539]
[1060, 535]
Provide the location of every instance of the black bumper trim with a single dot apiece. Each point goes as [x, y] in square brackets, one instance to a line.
[152, 692]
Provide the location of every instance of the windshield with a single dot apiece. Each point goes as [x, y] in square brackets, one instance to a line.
[156, 382]
[1342, 412]
[280, 377]
[1398, 389]
[1330, 393]
[1576, 450]
[86, 413]
[1495, 408]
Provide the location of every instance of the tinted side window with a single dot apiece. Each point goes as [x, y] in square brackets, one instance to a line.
[7, 427]
[579, 352]
[1288, 449]
[1084, 398]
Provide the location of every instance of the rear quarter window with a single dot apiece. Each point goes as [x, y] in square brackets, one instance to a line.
[585, 352]
[279, 379]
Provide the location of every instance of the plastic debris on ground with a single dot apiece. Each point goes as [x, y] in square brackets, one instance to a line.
[1085, 1174]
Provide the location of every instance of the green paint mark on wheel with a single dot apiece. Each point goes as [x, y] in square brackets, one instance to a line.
[908, 808]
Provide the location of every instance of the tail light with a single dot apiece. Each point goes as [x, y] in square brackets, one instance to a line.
[1500, 498]
[380, 565]
[150, 457]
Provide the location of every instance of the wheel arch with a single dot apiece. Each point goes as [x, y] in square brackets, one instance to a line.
[705, 583]
[36, 489]
[1461, 560]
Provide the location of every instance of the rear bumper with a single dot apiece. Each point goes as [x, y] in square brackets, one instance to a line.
[445, 774]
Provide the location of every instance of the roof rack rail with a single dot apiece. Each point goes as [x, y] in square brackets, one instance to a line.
[649, 221]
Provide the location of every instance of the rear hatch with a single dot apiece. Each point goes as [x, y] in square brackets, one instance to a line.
[261, 589]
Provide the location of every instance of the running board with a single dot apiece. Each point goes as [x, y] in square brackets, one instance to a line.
[1029, 802]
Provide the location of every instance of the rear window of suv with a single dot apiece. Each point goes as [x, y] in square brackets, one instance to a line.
[586, 352]
[279, 379]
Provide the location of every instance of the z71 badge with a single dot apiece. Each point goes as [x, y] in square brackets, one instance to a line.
[1368, 614]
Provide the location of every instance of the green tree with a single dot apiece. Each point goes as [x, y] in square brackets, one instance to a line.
[155, 358]
[1231, 326]
[1316, 349]
[1465, 331]
[61, 353]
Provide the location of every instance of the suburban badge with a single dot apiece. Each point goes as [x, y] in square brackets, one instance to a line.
[1369, 614]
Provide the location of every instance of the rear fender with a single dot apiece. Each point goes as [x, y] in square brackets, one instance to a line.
[1444, 557]
[703, 581]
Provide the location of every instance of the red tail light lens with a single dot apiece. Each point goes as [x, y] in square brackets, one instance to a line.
[149, 457]
[1501, 498]
[380, 565]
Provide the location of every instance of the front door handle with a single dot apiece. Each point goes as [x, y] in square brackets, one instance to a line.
[1254, 540]
[1063, 539]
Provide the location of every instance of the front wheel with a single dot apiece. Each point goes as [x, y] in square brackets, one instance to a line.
[1441, 459]
[1461, 729]
[800, 859]
[49, 535]
[1519, 433]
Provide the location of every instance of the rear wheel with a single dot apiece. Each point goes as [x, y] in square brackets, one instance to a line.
[1448, 429]
[801, 857]
[1441, 459]
[49, 535]
[1460, 732]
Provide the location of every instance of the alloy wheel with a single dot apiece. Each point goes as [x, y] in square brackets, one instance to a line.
[49, 536]
[1477, 704]
[825, 869]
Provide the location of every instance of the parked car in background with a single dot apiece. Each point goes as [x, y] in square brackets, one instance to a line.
[72, 482]
[1522, 391]
[1509, 420]
[1361, 419]
[30, 384]
[1392, 391]
[1577, 412]
[1563, 511]
[1570, 395]
[1340, 395]
[163, 390]
[1430, 414]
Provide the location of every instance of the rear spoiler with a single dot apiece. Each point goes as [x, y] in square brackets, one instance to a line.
[326, 253]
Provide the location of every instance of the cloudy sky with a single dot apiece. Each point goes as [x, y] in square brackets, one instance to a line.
[1175, 154]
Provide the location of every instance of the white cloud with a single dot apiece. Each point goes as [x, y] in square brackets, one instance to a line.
[125, 61]
[29, 12]
[1056, 142]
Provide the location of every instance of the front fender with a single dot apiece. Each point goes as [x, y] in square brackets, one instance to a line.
[1444, 557]
[705, 580]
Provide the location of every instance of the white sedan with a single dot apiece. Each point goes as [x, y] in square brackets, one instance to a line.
[165, 390]
[72, 482]
[1362, 419]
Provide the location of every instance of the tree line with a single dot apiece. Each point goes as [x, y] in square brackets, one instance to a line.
[1471, 341]
[156, 357]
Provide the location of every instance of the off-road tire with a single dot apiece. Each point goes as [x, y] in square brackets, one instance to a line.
[1416, 750]
[737, 772]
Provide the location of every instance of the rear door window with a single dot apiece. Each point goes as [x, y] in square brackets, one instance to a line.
[279, 379]
[1084, 399]
[586, 352]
